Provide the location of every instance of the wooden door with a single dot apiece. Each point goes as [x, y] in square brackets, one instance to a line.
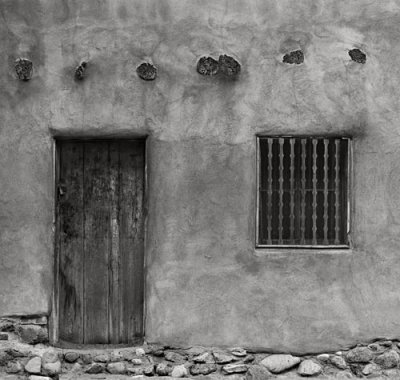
[100, 241]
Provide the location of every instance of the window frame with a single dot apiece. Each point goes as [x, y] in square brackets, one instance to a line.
[349, 191]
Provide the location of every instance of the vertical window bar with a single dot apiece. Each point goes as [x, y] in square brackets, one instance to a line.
[303, 191]
[280, 228]
[314, 192]
[326, 143]
[337, 191]
[292, 141]
[269, 204]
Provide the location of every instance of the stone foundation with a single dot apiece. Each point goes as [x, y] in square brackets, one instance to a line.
[25, 354]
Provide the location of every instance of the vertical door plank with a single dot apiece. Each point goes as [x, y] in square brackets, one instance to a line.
[132, 239]
[314, 191]
[303, 192]
[292, 190]
[280, 227]
[70, 240]
[269, 206]
[326, 148]
[115, 256]
[97, 241]
[337, 192]
[344, 161]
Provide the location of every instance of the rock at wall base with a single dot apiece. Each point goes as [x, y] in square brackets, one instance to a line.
[33, 334]
[389, 359]
[359, 355]
[203, 369]
[117, 368]
[258, 372]
[279, 363]
[51, 369]
[309, 368]
[34, 365]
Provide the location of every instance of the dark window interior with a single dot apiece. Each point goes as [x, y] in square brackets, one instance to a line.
[303, 191]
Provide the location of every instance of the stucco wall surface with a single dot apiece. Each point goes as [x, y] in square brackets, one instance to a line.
[206, 283]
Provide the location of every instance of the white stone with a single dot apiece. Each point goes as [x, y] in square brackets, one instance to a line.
[338, 361]
[76, 367]
[370, 369]
[50, 356]
[52, 368]
[34, 377]
[309, 368]
[206, 357]
[34, 365]
[234, 368]
[14, 367]
[343, 375]
[389, 359]
[238, 351]
[102, 358]
[323, 357]
[279, 363]
[179, 371]
[137, 361]
[116, 368]
[125, 355]
[140, 352]
[196, 350]
[222, 358]
[135, 371]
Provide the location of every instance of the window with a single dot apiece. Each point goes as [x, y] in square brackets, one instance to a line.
[303, 196]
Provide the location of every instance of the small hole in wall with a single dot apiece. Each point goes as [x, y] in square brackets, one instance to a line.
[296, 57]
[357, 56]
[228, 66]
[207, 66]
[80, 71]
[23, 68]
[146, 71]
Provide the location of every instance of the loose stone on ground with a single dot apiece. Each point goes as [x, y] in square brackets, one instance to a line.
[389, 359]
[234, 368]
[163, 369]
[338, 361]
[222, 358]
[116, 368]
[203, 369]
[279, 363]
[174, 357]
[51, 369]
[34, 365]
[179, 371]
[370, 369]
[71, 357]
[359, 355]
[14, 367]
[237, 351]
[309, 368]
[206, 357]
[96, 368]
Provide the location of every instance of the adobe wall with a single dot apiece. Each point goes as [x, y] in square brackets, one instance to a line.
[206, 283]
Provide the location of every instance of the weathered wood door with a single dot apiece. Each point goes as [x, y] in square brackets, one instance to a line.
[100, 240]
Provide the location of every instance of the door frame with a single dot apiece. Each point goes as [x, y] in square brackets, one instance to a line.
[53, 319]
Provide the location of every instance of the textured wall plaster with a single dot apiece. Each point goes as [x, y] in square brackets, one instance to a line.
[206, 283]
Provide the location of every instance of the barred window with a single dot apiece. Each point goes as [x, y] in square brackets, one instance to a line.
[303, 186]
